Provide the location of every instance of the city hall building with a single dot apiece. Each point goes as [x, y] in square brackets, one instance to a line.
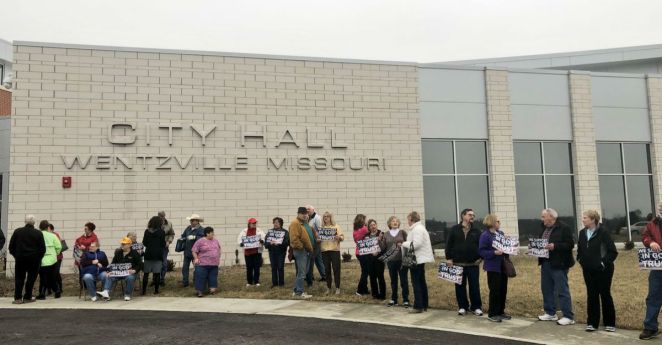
[114, 135]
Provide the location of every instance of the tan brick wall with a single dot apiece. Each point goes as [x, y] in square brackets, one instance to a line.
[503, 197]
[654, 84]
[65, 99]
[5, 102]
[587, 184]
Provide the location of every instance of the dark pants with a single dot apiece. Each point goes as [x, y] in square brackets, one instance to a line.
[395, 271]
[470, 276]
[653, 300]
[364, 260]
[164, 268]
[277, 259]
[58, 276]
[47, 280]
[598, 288]
[377, 282]
[157, 282]
[29, 268]
[315, 260]
[331, 261]
[186, 265]
[420, 286]
[253, 263]
[498, 284]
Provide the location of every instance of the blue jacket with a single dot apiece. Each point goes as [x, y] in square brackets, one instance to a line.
[87, 267]
[492, 262]
[198, 233]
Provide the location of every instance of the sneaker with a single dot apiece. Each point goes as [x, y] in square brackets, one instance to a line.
[41, 297]
[590, 328]
[406, 305]
[358, 294]
[248, 285]
[494, 318]
[478, 312]
[648, 334]
[257, 284]
[610, 329]
[415, 311]
[337, 291]
[127, 298]
[17, 301]
[305, 296]
[391, 303]
[565, 321]
[547, 317]
[462, 312]
[505, 317]
[104, 295]
[93, 298]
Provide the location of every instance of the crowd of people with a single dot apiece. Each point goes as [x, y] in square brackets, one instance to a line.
[313, 240]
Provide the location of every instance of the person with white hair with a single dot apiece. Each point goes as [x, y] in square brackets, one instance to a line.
[554, 270]
[28, 247]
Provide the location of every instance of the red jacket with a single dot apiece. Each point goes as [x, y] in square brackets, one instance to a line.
[360, 234]
[85, 241]
[652, 233]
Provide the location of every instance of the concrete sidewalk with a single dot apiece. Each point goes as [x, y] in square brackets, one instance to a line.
[517, 329]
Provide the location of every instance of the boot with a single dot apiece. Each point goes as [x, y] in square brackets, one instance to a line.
[157, 283]
[145, 282]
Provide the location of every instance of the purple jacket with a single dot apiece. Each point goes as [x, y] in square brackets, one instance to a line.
[491, 263]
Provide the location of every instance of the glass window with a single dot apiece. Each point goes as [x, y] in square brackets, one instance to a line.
[543, 179]
[626, 188]
[454, 177]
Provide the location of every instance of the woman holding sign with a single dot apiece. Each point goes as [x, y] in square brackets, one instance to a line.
[252, 239]
[497, 280]
[596, 254]
[377, 281]
[360, 233]
[277, 241]
[330, 234]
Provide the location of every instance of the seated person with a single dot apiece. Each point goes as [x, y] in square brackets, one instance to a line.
[93, 265]
[123, 255]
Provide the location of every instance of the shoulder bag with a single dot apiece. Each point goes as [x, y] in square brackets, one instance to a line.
[409, 257]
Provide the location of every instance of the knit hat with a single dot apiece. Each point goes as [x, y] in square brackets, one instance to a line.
[126, 240]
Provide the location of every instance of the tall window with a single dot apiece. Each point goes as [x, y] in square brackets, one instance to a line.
[543, 179]
[454, 177]
[626, 188]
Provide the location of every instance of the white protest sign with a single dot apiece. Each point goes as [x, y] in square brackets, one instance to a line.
[368, 246]
[452, 274]
[327, 234]
[649, 260]
[250, 241]
[538, 248]
[507, 244]
[275, 236]
[118, 270]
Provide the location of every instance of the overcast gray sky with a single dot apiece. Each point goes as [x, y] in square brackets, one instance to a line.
[410, 30]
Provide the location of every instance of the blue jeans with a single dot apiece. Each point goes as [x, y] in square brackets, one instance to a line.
[653, 300]
[185, 267]
[396, 270]
[470, 276]
[554, 283]
[420, 286]
[164, 268]
[277, 259]
[90, 284]
[205, 276]
[302, 259]
[315, 260]
[128, 286]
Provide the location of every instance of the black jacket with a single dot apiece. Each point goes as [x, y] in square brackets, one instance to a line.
[27, 243]
[2, 239]
[154, 242]
[564, 242]
[598, 253]
[132, 257]
[278, 248]
[461, 249]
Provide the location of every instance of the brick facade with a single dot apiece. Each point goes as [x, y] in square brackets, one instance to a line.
[5, 102]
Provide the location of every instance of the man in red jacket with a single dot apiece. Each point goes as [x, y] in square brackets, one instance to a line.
[652, 238]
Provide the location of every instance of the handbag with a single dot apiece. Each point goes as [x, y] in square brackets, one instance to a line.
[409, 257]
[389, 254]
[180, 246]
[64, 245]
[509, 268]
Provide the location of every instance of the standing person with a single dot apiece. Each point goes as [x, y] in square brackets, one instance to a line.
[315, 222]
[28, 247]
[652, 238]
[84, 241]
[376, 267]
[206, 258]
[596, 254]
[420, 238]
[93, 265]
[331, 252]
[60, 256]
[169, 237]
[462, 250]
[123, 255]
[47, 271]
[394, 238]
[302, 249]
[191, 234]
[497, 280]
[252, 256]
[154, 243]
[277, 251]
[360, 233]
[554, 270]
